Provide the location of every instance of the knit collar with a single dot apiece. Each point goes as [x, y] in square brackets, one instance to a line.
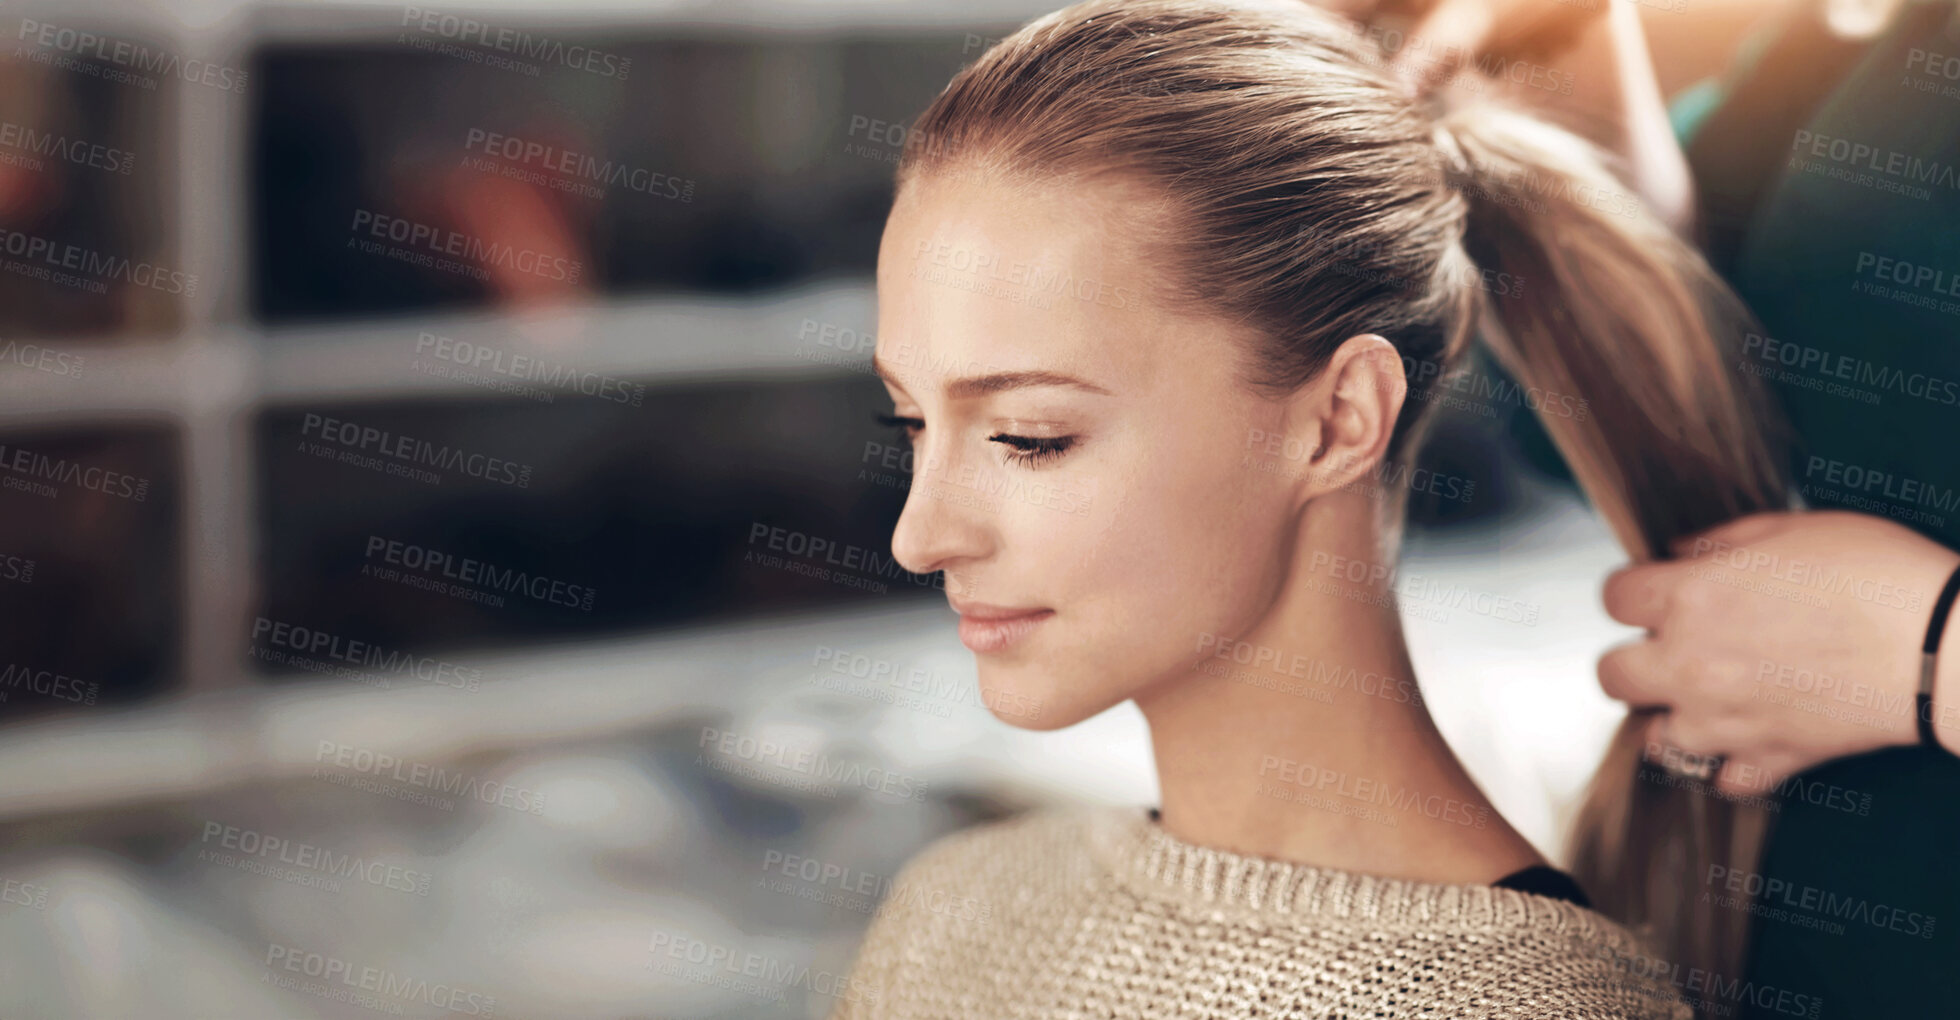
[1156, 864]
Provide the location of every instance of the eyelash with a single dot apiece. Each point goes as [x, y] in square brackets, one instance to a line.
[1027, 451]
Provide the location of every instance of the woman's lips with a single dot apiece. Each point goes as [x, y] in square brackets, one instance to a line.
[985, 629]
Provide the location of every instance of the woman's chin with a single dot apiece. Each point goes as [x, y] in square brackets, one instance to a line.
[1029, 698]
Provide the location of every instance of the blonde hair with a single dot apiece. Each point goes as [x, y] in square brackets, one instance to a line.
[1301, 190]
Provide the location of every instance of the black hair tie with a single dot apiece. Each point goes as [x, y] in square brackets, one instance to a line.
[1930, 655]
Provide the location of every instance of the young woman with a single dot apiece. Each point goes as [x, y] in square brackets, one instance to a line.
[1163, 297]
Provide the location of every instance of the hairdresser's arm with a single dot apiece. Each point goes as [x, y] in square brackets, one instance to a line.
[1616, 102]
[1783, 640]
[1584, 67]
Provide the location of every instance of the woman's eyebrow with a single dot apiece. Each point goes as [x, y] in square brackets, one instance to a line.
[979, 385]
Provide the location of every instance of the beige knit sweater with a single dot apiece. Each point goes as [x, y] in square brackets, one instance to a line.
[1098, 913]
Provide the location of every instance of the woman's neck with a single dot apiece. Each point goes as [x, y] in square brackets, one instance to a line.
[1307, 740]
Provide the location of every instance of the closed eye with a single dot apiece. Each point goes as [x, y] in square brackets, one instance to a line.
[911, 426]
[1026, 451]
[1031, 450]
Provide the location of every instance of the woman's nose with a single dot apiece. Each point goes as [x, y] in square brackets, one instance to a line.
[938, 529]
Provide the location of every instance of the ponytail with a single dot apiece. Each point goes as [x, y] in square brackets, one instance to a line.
[1623, 312]
[1626, 314]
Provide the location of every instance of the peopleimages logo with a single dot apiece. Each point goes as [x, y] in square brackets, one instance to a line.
[1769, 892]
[469, 571]
[1895, 163]
[1805, 574]
[1674, 760]
[1857, 478]
[914, 687]
[815, 549]
[820, 771]
[44, 359]
[1374, 261]
[379, 980]
[404, 454]
[1816, 361]
[1277, 446]
[1374, 791]
[1700, 986]
[422, 775]
[25, 138]
[475, 251]
[265, 851]
[1301, 667]
[16, 568]
[1031, 279]
[1855, 693]
[101, 267]
[485, 36]
[577, 166]
[1491, 389]
[363, 654]
[1417, 591]
[25, 894]
[26, 466]
[1843, 159]
[123, 53]
[840, 885]
[46, 682]
[762, 973]
[1921, 286]
[555, 375]
[1923, 277]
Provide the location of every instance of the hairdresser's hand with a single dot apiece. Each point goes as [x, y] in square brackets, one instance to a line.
[1448, 35]
[1582, 62]
[1782, 640]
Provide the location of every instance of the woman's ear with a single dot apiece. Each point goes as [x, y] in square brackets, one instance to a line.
[1347, 416]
